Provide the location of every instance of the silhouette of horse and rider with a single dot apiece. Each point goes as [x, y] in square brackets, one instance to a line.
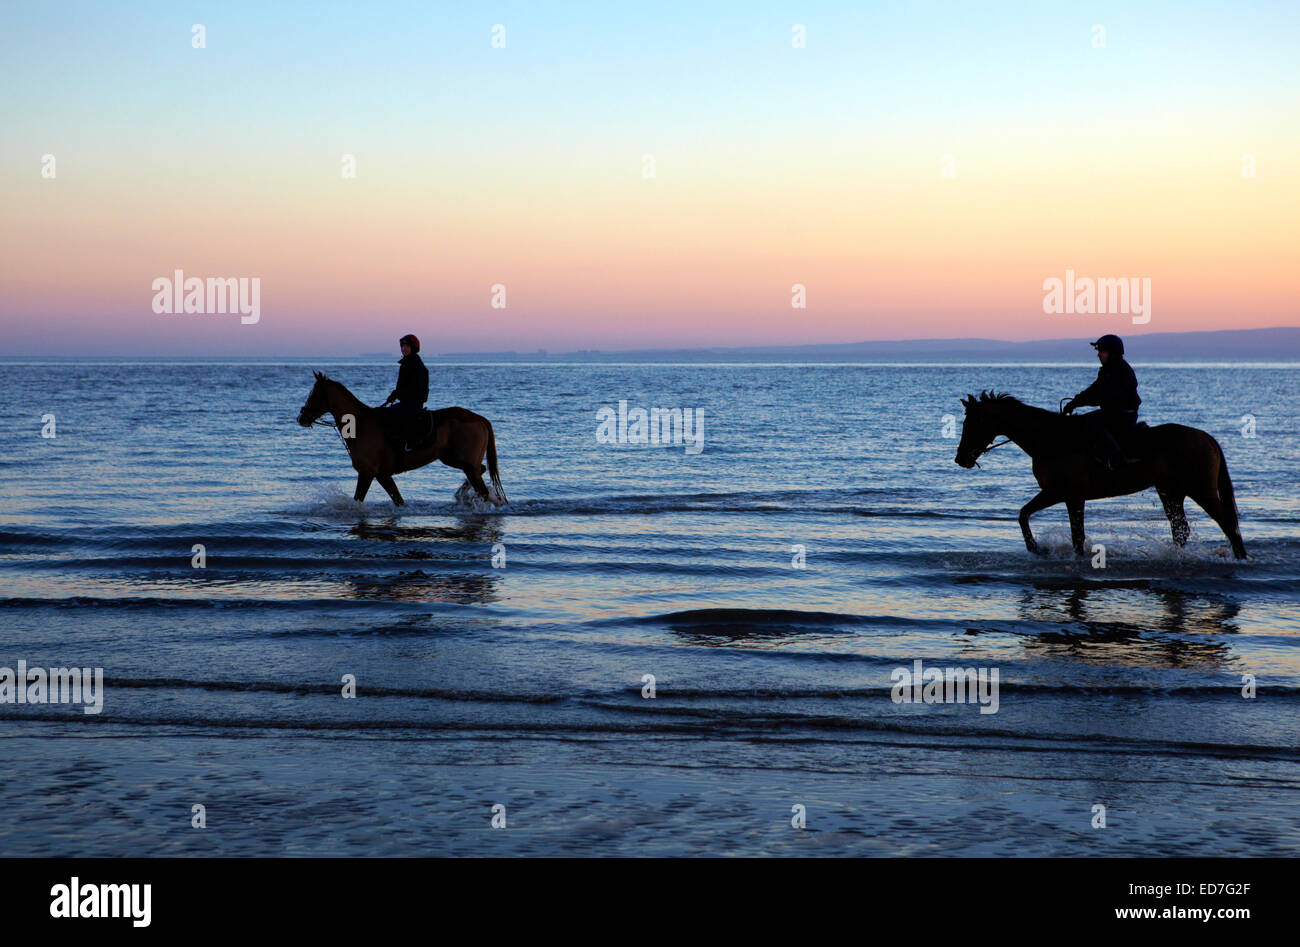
[1105, 453]
[400, 435]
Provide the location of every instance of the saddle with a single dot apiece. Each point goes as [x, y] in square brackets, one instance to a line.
[422, 429]
[1135, 443]
[416, 433]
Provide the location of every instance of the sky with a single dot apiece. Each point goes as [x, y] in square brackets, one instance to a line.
[640, 175]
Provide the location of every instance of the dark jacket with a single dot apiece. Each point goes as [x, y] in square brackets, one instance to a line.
[1116, 389]
[412, 381]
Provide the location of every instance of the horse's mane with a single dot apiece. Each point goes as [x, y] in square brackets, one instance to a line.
[322, 377]
[990, 396]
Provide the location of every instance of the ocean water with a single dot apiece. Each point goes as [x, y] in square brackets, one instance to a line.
[522, 683]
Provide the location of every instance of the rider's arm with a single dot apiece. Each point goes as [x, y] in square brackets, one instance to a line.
[397, 391]
[1093, 394]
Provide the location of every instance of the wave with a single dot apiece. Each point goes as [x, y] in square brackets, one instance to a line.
[156, 603]
[748, 621]
[1227, 691]
[821, 500]
[331, 690]
[939, 734]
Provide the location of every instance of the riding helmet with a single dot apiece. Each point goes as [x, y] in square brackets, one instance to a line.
[414, 343]
[1109, 343]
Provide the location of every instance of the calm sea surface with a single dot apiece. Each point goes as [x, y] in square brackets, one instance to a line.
[521, 684]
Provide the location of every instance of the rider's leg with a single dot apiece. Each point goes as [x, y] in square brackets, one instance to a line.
[417, 427]
[1121, 428]
[403, 422]
[1111, 452]
[1101, 442]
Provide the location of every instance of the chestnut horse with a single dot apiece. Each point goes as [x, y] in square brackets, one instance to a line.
[460, 440]
[1178, 461]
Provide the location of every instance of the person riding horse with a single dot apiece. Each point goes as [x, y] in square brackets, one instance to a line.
[1115, 394]
[411, 393]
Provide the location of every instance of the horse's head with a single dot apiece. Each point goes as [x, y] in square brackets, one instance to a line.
[316, 403]
[978, 430]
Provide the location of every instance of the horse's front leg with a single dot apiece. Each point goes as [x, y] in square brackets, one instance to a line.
[1040, 502]
[387, 483]
[1172, 501]
[1075, 508]
[363, 486]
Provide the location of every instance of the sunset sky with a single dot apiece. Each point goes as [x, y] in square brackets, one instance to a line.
[523, 166]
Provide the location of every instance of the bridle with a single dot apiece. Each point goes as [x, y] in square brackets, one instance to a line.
[321, 422]
[975, 460]
[1000, 443]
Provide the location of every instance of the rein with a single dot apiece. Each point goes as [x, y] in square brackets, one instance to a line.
[991, 446]
[321, 422]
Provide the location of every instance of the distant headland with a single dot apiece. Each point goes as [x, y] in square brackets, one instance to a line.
[1279, 344]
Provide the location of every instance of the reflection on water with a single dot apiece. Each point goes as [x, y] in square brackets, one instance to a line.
[1138, 626]
[469, 528]
[457, 588]
[447, 549]
[713, 626]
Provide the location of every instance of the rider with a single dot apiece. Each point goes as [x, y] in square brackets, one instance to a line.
[412, 390]
[1115, 393]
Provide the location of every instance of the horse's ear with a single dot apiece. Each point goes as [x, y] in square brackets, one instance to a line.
[318, 375]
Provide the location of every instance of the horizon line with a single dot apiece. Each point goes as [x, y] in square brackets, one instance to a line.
[773, 348]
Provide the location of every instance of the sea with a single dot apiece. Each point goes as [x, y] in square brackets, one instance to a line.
[690, 648]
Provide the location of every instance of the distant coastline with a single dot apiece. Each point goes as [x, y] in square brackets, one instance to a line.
[1274, 345]
[1280, 344]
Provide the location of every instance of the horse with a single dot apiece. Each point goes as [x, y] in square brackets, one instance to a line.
[1178, 461]
[460, 439]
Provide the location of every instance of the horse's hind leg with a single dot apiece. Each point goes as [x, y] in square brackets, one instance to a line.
[1173, 504]
[476, 481]
[387, 483]
[495, 493]
[1075, 508]
[363, 486]
[1225, 516]
[1040, 502]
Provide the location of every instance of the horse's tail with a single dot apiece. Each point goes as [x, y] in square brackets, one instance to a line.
[492, 460]
[1228, 498]
[1225, 487]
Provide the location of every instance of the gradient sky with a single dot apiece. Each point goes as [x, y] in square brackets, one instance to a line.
[523, 166]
